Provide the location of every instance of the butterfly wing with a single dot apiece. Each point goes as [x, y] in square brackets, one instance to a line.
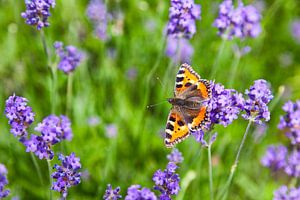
[189, 86]
[196, 118]
[185, 78]
[183, 119]
[188, 83]
[176, 129]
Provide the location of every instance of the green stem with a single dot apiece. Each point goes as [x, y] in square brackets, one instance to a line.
[69, 94]
[216, 64]
[53, 89]
[37, 167]
[272, 11]
[277, 98]
[52, 68]
[210, 173]
[154, 68]
[233, 70]
[50, 179]
[224, 193]
[45, 46]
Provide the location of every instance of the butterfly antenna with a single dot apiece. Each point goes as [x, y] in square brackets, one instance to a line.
[152, 105]
[161, 83]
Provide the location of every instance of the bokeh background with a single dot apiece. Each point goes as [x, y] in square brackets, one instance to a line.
[118, 139]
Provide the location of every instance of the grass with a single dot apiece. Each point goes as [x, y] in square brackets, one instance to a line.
[102, 88]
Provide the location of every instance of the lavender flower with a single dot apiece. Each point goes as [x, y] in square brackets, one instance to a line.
[135, 192]
[3, 181]
[19, 115]
[94, 121]
[241, 22]
[295, 29]
[182, 18]
[224, 105]
[175, 156]
[284, 193]
[39, 147]
[199, 137]
[179, 49]
[97, 13]
[293, 164]
[167, 181]
[111, 131]
[70, 57]
[112, 194]
[54, 129]
[275, 157]
[67, 174]
[37, 12]
[256, 106]
[131, 73]
[290, 122]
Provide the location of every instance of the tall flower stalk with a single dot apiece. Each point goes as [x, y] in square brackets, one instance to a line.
[286, 160]
[67, 174]
[69, 59]
[3, 182]
[235, 22]
[180, 28]
[256, 111]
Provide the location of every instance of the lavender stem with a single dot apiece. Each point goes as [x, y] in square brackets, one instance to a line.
[224, 193]
[50, 179]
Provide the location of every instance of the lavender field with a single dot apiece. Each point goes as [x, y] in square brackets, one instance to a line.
[150, 100]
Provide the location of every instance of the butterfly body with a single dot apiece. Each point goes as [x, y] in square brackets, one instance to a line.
[189, 103]
[189, 112]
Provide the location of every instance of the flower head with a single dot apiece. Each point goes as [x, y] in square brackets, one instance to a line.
[19, 115]
[167, 181]
[70, 57]
[290, 122]
[295, 29]
[54, 129]
[37, 12]
[175, 156]
[67, 174]
[39, 147]
[94, 121]
[179, 49]
[182, 18]
[111, 131]
[241, 22]
[97, 13]
[285, 193]
[293, 164]
[135, 192]
[3, 181]
[112, 194]
[275, 157]
[259, 95]
[224, 105]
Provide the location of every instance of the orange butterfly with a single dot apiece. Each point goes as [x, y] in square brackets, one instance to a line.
[188, 112]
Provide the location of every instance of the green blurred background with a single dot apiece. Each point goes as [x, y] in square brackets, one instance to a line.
[103, 90]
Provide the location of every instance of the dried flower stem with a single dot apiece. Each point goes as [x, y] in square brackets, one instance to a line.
[224, 192]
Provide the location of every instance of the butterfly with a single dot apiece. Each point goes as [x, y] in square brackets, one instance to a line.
[188, 113]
